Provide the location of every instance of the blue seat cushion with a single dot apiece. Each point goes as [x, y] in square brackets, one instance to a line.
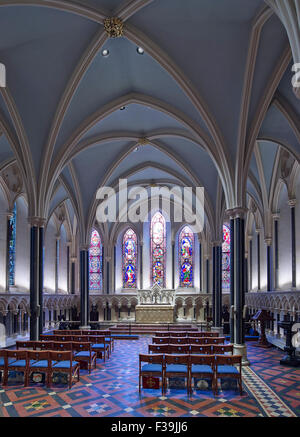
[18, 363]
[227, 369]
[152, 368]
[64, 364]
[108, 339]
[84, 354]
[201, 368]
[41, 363]
[1, 361]
[176, 368]
[98, 346]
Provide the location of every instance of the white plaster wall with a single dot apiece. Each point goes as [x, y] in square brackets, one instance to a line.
[284, 242]
[49, 257]
[62, 265]
[22, 269]
[3, 231]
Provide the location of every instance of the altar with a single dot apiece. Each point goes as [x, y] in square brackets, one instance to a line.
[155, 306]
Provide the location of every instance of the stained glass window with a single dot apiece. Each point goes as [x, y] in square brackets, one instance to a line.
[186, 249]
[158, 249]
[129, 259]
[12, 245]
[226, 258]
[95, 262]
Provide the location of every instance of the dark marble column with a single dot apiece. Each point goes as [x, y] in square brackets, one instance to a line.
[56, 261]
[9, 232]
[231, 322]
[268, 242]
[114, 273]
[200, 267]
[207, 274]
[250, 262]
[217, 284]
[36, 276]
[258, 258]
[292, 204]
[141, 265]
[84, 286]
[107, 275]
[276, 251]
[173, 265]
[73, 261]
[68, 265]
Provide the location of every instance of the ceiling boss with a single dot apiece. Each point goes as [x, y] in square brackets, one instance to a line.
[114, 27]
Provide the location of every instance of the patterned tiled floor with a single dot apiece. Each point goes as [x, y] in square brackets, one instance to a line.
[111, 390]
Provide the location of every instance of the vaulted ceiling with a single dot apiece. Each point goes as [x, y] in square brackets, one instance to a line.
[213, 86]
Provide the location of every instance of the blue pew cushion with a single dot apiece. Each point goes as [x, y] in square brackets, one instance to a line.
[84, 354]
[201, 368]
[227, 369]
[176, 368]
[152, 367]
[98, 346]
[18, 363]
[64, 365]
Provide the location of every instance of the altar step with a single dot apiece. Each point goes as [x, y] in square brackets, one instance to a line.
[137, 328]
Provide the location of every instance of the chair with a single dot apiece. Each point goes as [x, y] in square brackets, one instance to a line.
[15, 360]
[179, 348]
[47, 337]
[30, 344]
[225, 368]
[63, 362]
[62, 346]
[64, 337]
[84, 353]
[99, 345]
[158, 348]
[203, 349]
[162, 334]
[2, 360]
[153, 368]
[218, 349]
[176, 365]
[37, 361]
[43, 345]
[160, 340]
[216, 340]
[178, 340]
[196, 340]
[202, 366]
[178, 334]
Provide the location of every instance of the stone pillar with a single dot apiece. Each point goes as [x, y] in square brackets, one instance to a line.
[57, 238]
[258, 258]
[200, 267]
[217, 284]
[68, 265]
[84, 287]
[141, 264]
[72, 287]
[268, 242]
[9, 232]
[276, 251]
[114, 269]
[292, 204]
[36, 276]
[250, 261]
[238, 285]
[173, 265]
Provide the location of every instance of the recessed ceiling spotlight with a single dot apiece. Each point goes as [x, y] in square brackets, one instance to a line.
[140, 50]
[105, 52]
[122, 108]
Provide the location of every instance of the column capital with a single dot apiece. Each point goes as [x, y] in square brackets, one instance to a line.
[39, 222]
[69, 243]
[216, 243]
[268, 241]
[73, 259]
[238, 212]
[108, 258]
[276, 215]
[84, 247]
[9, 215]
[57, 237]
[257, 230]
[250, 237]
[292, 203]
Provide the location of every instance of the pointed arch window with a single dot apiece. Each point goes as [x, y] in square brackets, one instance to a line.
[158, 249]
[226, 258]
[95, 262]
[12, 246]
[129, 259]
[186, 256]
